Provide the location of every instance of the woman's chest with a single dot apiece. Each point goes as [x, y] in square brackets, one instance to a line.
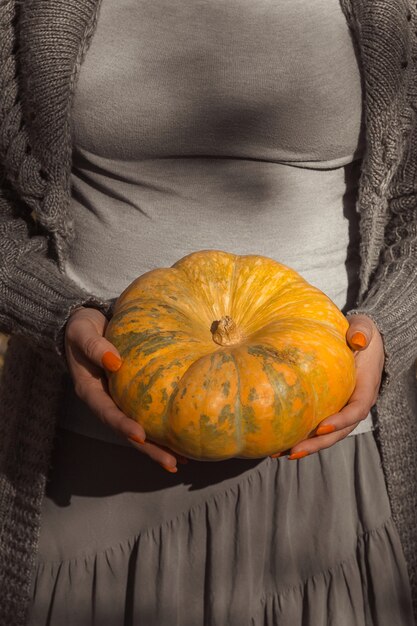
[256, 79]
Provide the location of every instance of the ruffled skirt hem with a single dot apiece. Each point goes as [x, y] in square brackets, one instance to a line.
[309, 543]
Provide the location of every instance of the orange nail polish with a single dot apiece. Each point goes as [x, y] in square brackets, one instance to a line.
[111, 362]
[298, 455]
[169, 469]
[358, 340]
[137, 439]
[325, 429]
[276, 455]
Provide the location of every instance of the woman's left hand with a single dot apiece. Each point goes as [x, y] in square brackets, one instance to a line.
[369, 361]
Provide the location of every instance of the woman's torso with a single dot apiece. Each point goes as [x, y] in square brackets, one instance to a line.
[210, 125]
[185, 117]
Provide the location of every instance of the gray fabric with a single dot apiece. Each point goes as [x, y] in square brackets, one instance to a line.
[264, 80]
[222, 149]
[242, 543]
[132, 217]
[43, 45]
[36, 227]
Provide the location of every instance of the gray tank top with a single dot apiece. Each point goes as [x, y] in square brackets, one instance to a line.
[215, 125]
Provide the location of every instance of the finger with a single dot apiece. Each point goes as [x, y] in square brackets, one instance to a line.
[337, 425]
[309, 446]
[360, 332]
[158, 454]
[356, 410]
[171, 454]
[94, 395]
[98, 400]
[111, 361]
[352, 413]
[87, 337]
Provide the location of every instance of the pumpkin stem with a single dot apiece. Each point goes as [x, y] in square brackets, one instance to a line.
[225, 332]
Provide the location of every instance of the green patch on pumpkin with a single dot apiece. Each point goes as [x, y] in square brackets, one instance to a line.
[291, 356]
[226, 388]
[249, 420]
[124, 343]
[226, 415]
[210, 431]
[143, 389]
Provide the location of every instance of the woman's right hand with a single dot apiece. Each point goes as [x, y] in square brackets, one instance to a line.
[85, 346]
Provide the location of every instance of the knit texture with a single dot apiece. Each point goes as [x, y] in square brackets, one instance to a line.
[387, 201]
[35, 162]
[26, 439]
[42, 45]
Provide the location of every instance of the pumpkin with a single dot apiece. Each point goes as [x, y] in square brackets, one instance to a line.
[227, 355]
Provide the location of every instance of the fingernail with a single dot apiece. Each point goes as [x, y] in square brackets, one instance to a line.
[298, 455]
[182, 459]
[358, 340]
[325, 429]
[276, 455]
[137, 439]
[111, 362]
[169, 469]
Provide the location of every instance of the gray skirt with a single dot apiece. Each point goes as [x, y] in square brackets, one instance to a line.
[266, 542]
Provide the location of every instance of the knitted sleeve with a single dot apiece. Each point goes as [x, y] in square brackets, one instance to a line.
[389, 294]
[391, 301]
[36, 298]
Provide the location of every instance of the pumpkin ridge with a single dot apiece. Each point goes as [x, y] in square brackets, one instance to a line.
[238, 404]
[183, 389]
[121, 313]
[154, 361]
[288, 322]
[148, 341]
[161, 365]
[288, 355]
[305, 307]
[204, 292]
[232, 294]
[132, 381]
[138, 291]
[288, 358]
[190, 281]
[140, 303]
[251, 314]
[205, 428]
[262, 310]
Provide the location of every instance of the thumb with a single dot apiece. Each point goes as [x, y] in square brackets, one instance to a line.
[360, 331]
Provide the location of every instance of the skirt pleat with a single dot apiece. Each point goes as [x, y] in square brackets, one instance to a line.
[266, 543]
[368, 589]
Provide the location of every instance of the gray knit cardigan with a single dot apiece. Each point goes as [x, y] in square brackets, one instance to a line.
[42, 45]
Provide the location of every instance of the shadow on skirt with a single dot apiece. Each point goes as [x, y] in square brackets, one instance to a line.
[266, 542]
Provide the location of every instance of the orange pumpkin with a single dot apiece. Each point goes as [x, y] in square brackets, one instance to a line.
[228, 356]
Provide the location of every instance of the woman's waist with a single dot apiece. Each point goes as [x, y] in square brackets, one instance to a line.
[302, 218]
